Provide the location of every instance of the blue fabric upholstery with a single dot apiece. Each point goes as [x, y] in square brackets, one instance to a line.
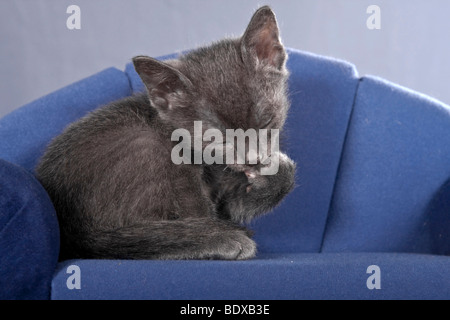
[29, 235]
[373, 188]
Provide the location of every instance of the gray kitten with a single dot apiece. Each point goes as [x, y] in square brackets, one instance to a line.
[110, 175]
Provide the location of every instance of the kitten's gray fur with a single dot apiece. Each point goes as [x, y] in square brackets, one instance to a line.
[110, 175]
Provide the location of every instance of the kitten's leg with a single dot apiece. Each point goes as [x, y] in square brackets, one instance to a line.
[192, 238]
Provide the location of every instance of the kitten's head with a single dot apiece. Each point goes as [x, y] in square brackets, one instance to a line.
[231, 84]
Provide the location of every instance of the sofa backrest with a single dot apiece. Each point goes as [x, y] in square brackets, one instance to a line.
[322, 92]
[373, 158]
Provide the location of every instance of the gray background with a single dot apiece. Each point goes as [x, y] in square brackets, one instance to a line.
[38, 54]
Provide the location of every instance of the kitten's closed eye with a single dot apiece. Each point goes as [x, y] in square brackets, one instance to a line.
[267, 123]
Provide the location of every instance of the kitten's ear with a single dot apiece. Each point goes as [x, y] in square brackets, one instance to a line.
[165, 84]
[261, 41]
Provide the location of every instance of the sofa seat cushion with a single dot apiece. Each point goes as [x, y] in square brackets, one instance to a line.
[268, 277]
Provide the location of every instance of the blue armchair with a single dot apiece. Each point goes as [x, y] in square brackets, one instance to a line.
[369, 218]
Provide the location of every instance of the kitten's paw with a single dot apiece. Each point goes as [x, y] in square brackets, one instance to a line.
[247, 249]
[237, 247]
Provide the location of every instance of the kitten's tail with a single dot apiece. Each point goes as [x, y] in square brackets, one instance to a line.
[193, 238]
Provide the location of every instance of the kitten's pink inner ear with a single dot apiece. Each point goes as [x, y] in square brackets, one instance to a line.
[262, 40]
[268, 47]
[165, 84]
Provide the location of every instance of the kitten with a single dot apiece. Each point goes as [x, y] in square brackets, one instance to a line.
[116, 190]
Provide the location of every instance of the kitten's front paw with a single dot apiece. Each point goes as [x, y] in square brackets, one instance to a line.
[247, 249]
[237, 247]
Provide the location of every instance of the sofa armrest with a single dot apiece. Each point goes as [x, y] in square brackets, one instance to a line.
[393, 181]
[29, 235]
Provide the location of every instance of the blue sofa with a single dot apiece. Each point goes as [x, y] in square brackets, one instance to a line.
[369, 218]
